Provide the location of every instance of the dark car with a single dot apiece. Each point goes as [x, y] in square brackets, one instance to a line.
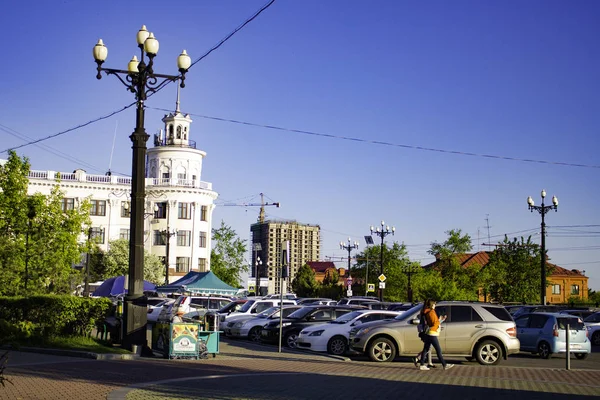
[300, 319]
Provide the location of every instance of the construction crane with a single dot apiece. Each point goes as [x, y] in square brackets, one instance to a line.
[262, 204]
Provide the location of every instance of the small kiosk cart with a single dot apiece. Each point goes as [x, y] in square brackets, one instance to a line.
[184, 340]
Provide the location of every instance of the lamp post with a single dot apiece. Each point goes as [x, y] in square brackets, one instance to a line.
[382, 233]
[31, 213]
[409, 270]
[350, 246]
[543, 209]
[140, 79]
[257, 265]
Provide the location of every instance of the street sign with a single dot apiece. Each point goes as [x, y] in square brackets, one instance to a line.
[381, 285]
[348, 281]
[349, 292]
[381, 278]
[371, 287]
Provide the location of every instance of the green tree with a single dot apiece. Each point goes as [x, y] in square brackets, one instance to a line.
[513, 273]
[115, 262]
[37, 235]
[450, 280]
[304, 283]
[395, 261]
[330, 287]
[227, 255]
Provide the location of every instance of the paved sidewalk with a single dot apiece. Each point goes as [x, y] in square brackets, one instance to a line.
[247, 372]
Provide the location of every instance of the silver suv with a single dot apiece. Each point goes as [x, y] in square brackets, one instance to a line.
[482, 331]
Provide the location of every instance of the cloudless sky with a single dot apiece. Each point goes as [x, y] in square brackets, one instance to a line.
[512, 79]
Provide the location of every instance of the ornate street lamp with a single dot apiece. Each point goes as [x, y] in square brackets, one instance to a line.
[543, 209]
[140, 79]
[350, 246]
[382, 233]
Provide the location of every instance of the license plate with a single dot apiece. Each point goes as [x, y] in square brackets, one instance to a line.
[575, 346]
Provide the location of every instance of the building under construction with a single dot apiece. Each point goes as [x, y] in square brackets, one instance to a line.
[268, 241]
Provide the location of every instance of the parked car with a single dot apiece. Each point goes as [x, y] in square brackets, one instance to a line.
[545, 334]
[300, 319]
[579, 312]
[332, 337]
[251, 326]
[251, 307]
[593, 319]
[593, 333]
[482, 331]
[527, 309]
[155, 306]
[316, 301]
[357, 301]
[189, 304]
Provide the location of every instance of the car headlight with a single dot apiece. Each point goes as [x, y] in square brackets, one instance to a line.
[363, 331]
[317, 333]
[238, 324]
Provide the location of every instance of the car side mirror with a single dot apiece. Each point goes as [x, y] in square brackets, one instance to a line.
[415, 321]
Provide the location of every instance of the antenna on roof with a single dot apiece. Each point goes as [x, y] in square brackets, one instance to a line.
[177, 102]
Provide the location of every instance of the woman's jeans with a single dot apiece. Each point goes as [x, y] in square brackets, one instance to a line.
[432, 341]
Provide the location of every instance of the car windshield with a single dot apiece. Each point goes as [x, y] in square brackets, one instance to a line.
[410, 313]
[268, 312]
[344, 319]
[228, 307]
[300, 313]
[247, 305]
[574, 323]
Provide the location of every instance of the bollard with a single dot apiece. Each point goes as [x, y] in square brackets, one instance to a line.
[568, 333]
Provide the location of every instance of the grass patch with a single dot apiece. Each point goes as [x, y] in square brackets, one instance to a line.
[78, 343]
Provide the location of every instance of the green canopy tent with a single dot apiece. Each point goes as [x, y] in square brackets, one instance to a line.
[201, 283]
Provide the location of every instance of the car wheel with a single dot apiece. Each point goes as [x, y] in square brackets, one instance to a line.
[290, 340]
[382, 350]
[596, 338]
[254, 334]
[337, 345]
[581, 356]
[488, 352]
[544, 350]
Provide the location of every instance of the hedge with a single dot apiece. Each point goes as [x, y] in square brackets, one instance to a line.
[50, 315]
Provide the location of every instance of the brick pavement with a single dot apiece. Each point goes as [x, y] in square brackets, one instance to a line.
[243, 373]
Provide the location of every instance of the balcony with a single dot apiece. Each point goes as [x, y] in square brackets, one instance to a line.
[81, 176]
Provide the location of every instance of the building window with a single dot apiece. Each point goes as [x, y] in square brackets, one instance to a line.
[98, 208]
[68, 204]
[166, 175]
[182, 264]
[161, 212]
[184, 211]
[184, 238]
[202, 265]
[125, 209]
[202, 239]
[124, 234]
[158, 238]
[203, 212]
[555, 289]
[97, 234]
[575, 289]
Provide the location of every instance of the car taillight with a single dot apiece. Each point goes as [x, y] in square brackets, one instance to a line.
[512, 331]
[555, 330]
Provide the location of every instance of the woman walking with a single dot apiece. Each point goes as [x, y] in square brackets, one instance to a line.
[431, 337]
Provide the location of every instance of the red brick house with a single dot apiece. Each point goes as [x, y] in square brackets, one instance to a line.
[563, 284]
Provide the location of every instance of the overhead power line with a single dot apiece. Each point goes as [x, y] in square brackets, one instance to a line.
[226, 38]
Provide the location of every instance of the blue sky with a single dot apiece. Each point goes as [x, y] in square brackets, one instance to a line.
[517, 80]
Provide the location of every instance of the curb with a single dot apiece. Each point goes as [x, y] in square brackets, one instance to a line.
[74, 353]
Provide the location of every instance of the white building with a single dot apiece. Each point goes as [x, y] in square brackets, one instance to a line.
[179, 205]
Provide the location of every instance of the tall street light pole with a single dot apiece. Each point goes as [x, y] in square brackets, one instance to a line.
[543, 209]
[350, 246]
[140, 79]
[382, 233]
